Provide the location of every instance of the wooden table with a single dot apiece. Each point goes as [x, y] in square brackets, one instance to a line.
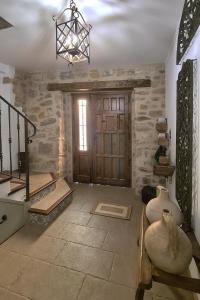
[149, 273]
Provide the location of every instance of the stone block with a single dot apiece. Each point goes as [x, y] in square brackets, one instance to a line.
[49, 121]
[94, 74]
[143, 118]
[156, 113]
[42, 115]
[45, 148]
[38, 76]
[158, 91]
[34, 109]
[66, 75]
[143, 107]
[47, 103]
[108, 73]
[51, 75]
[32, 93]
[7, 80]
[33, 118]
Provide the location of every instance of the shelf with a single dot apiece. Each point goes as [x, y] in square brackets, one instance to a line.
[163, 170]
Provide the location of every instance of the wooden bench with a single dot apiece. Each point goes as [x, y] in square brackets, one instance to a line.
[149, 273]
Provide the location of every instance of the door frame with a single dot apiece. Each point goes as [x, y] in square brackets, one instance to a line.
[75, 135]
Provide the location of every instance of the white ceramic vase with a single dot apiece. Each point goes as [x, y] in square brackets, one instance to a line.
[155, 207]
[168, 246]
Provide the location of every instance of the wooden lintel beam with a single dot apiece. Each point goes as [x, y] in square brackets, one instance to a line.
[99, 85]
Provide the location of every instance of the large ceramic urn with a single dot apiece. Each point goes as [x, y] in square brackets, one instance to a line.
[155, 207]
[168, 246]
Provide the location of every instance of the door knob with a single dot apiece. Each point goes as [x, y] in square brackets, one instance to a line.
[3, 219]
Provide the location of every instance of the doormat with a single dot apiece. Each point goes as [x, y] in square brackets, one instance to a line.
[112, 210]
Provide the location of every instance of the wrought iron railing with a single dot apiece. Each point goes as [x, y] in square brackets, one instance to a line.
[21, 138]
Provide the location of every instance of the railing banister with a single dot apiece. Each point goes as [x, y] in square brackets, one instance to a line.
[10, 139]
[21, 114]
[19, 146]
[27, 159]
[27, 122]
[1, 150]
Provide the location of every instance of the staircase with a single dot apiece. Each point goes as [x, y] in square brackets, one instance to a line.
[34, 197]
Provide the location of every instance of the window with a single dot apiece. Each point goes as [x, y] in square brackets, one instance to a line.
[82, 125]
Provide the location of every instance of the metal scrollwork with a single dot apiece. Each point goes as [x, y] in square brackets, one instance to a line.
[184, 139]
[189, 24]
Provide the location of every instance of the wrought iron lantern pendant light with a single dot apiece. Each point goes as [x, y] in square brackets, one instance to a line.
[72, 35]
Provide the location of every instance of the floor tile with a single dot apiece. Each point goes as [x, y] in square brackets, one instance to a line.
[89, 205]
[11, 266]
[39, 246]
[23, 240]
[121, 243]
[54, 228]
[86, 259]
[47, 248]
[42, 281]
[125, 270]
[112, 224]
[83, 235]
[100, 222]
[76, 204]
[97, 289]
[75, 217]
[76, 240]
[7, 295]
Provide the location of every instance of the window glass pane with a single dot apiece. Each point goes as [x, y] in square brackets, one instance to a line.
[82, 125]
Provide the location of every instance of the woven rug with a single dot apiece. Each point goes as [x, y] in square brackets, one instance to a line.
[112, 210]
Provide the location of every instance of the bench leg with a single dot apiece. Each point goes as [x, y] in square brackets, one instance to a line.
[139, 294]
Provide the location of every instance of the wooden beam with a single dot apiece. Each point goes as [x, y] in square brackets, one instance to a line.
[186, 283]
[145, 274]
[99, 85]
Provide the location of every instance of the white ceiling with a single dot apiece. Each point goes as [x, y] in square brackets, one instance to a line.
[124, 31]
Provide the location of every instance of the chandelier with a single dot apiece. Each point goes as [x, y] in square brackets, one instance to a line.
[72, 35]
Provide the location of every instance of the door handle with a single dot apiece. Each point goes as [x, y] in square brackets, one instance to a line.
[3, 219]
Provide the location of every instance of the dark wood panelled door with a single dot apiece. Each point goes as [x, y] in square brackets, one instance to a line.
[102, 153]
[111, 135]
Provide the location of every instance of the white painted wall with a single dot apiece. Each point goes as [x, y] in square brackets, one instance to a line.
[171, 76]
[6, 90]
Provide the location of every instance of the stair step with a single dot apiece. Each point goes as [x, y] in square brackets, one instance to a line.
[39, 182]
[40, 186]
[47, 204]
[17, 187]
[4, 178]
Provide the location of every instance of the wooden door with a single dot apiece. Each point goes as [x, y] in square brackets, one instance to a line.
[111, 139]
[102, 153]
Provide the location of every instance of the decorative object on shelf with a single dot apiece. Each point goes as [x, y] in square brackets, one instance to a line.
[156, 206]
[189, 24]
[166, 171]
[184, 140]
[163, 167]
[160, 152]
[148, 193]
[72, 35]
[161, 125]
[163, 139]
[164, 160]
[168, 246]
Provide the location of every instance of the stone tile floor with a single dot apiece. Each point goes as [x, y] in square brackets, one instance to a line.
[80, 256]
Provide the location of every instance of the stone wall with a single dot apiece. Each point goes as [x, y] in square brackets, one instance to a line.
[52, 114]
